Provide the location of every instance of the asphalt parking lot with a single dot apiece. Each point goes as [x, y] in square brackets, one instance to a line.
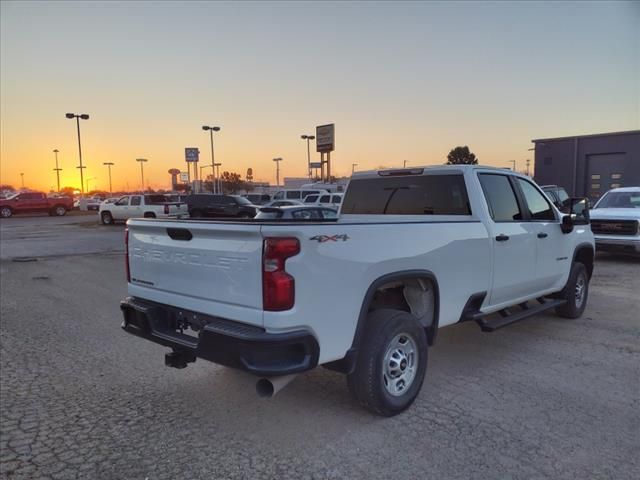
[79, 398]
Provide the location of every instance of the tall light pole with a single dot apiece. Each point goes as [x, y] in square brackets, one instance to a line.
[216, 167]
[22, 179]
[88, 179]
[308, 138]
[513, 162]
[82, 116]
[57, 170]
[277, 160]
[142, 162]
[213, 161]
[527, 161]
[109, 165]
[404, 164]
[353, 167]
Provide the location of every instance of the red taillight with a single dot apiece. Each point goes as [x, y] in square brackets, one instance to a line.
[126, 253]
[166, 209]
[278, 287]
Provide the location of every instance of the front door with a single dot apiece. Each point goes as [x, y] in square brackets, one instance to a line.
[514, 241]
[552, 250]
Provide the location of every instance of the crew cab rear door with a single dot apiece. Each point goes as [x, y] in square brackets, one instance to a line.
[514, 241]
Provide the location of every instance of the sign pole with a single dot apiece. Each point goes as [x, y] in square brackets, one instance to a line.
[328, 167]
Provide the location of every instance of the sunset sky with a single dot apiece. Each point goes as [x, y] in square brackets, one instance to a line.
[401, 81]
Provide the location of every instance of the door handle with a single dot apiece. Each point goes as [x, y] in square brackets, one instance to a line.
[502, 237]
[542, 235]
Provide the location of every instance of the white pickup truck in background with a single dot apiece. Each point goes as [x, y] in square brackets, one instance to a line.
[140, 206]
[412, 251]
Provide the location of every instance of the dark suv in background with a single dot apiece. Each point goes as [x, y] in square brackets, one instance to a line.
[203, 205]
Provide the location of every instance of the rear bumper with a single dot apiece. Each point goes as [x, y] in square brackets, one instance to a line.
[222, 341]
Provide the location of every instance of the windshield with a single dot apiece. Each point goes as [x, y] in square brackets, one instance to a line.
[619, 200]
[562, 195]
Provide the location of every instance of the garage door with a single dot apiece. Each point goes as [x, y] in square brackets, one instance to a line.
[604, 173]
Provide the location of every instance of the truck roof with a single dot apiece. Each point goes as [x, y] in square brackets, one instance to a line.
[427, 169]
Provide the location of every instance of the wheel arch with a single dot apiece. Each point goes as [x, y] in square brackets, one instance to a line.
[347, 364]
[585, 254]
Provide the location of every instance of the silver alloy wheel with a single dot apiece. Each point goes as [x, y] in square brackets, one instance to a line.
[581, 286]
[5, 212]
[106, 218]
[60, 211]
[400, 364]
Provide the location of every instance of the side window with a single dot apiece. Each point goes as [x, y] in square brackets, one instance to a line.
[294, 194]
[302, 214]
[278, 196]
[326, 213]
[307, 192]
[500, 197]
[336, 199]
[123, 202]
[539, 207]
[135, 201]
[325, 199]
[311, 199]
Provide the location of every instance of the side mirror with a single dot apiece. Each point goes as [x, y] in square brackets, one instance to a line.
[578, 214]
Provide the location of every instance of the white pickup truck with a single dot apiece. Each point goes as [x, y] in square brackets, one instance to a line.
[412, 251]
[144, 206]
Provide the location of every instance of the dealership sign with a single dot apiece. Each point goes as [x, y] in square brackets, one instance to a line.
[325, 138]
[184, 177]
[191, 154]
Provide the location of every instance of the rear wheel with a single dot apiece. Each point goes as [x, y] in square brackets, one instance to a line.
[5, 212]
[60, 211]
[149, 215]
[575, 292]
[391, 363]
[106, 218]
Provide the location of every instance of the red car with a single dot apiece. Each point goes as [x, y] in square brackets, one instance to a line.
[34, 202]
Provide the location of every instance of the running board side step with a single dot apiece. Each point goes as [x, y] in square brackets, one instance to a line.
[509, 318]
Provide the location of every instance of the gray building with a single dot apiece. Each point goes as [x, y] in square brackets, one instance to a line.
[589, 165]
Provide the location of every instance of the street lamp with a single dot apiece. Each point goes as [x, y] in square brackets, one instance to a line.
[57, 170]
[308, 138]
[93, 178]
[353, 167]
[211, 130]
[22, 179]
[404, 164]
[82, 116]
[277, 160]
[109, 165]
[216, 167]
[142, 162]
[513, 162]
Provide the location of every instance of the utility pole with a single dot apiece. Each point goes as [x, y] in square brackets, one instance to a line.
[277, 160]
[109, 165]
[404, 164]
[142, 162]
[22, 179]
[57, 170]
[353, 168]
[528, 161]
[513, 162]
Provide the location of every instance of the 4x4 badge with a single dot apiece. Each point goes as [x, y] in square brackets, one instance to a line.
[330, 238]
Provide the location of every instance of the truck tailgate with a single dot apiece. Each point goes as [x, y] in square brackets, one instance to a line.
[218, 263]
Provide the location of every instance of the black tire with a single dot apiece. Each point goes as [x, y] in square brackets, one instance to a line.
[106, 218]
[6, 212]
[59, 210]
[149, 215]
[369, 383]
[575, 292]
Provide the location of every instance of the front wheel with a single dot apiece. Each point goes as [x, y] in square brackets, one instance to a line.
[149, 215]
[575, 292]
[391, 363]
